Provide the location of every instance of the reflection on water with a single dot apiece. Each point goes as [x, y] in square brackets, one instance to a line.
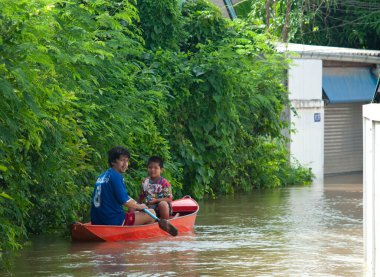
[299, 231]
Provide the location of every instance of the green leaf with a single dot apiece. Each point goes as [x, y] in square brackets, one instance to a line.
[2, 194]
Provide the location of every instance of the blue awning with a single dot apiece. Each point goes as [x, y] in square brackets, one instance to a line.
[347, 85]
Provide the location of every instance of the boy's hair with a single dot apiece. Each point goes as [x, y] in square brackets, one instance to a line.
[156, 159]
[115, 154]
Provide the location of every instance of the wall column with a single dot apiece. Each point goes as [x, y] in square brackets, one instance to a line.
[305, 95]
[371, 188]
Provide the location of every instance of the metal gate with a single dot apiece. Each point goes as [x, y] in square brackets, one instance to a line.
[343, 138]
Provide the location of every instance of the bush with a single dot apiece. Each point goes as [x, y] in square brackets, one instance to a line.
[77, 78]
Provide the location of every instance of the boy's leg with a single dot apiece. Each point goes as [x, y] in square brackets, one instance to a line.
[143, 218]
[163, 208]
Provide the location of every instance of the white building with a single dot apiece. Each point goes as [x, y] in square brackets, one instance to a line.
[328, 86]
[371, 187]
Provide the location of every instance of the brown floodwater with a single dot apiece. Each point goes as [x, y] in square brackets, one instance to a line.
[296, 231]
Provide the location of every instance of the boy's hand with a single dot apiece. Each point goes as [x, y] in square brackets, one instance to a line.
[152, 201]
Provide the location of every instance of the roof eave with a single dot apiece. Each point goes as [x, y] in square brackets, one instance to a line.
[303, 51]
[338, 57]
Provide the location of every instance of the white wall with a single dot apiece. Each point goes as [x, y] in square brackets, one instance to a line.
[305, 88]
[371, 188]
[305, 80]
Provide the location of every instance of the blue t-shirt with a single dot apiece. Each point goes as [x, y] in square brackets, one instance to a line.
[108, 198]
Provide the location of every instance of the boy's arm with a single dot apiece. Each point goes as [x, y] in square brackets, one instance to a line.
[166, 193]
[158, 200]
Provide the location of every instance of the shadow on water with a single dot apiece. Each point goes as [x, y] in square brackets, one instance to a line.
[297, 231]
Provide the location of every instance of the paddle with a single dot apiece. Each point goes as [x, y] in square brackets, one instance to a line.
[163, 223]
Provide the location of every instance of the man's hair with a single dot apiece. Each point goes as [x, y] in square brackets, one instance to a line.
[156, 159]
[116, 152]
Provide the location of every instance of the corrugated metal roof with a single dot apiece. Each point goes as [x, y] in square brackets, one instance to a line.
[330, 53]
[346, 85]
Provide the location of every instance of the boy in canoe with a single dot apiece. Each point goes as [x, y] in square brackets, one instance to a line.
[110, 195]
[156, 190]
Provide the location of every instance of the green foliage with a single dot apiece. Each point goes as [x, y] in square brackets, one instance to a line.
[225, 113]
[350, 23]
[161, 23]
[9, 213]
[203, 23]
[275, 17]
[68, 83]
[243, 8]
[79, 77]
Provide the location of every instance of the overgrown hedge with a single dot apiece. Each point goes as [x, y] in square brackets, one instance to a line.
[78, 77]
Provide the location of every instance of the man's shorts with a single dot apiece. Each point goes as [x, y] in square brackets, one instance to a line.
[129, 219]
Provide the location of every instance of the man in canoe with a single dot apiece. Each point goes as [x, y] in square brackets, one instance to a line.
[110, 195]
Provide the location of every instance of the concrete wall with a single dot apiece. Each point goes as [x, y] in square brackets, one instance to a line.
[305, 88]
[371, 188]
[222, 7]
[305, 80]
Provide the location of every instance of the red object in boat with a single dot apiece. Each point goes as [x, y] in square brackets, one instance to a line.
[186, 207]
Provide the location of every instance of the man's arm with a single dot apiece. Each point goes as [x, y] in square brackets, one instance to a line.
[132, 204]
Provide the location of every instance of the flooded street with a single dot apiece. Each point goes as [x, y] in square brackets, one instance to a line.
[297, 231]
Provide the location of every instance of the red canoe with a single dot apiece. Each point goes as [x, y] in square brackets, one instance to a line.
[184, 222]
